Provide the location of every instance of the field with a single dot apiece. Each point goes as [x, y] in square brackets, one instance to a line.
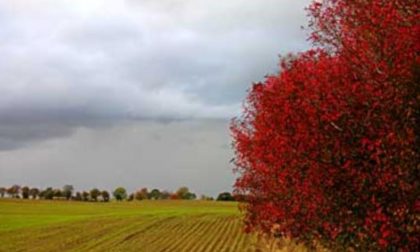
[27, 225]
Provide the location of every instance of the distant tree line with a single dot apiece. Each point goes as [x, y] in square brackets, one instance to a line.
[67, 192]
[49, 193]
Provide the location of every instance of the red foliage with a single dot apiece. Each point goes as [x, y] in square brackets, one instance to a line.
[328, 149]
[173, 196]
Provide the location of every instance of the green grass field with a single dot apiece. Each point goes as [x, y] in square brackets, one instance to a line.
[27, 225]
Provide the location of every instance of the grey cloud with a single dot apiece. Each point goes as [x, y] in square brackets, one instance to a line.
[15, 136]
[132, 154]
[67, 64]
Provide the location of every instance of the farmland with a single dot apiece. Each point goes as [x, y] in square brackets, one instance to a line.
[37, 225]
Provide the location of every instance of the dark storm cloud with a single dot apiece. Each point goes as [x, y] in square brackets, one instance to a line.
[71, 62]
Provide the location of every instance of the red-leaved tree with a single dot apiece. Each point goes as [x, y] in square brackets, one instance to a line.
[328, 150]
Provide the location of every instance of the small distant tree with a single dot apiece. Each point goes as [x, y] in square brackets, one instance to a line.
[2, 191]
[34, 192]
[183, 192]
[85, 196]
[68, 191]
[190, 196]
[25, 192]
[13, 191]
[41, 194]
[141, 194]
[78, 196]
[58, 193]
[131, 197]
[173, 196]
[94, 193]
[205, 197]
[105, 196]
[155, 194]
[120, 193]
[165, 195]
[225, 196]
[9, 192]
[47, 193]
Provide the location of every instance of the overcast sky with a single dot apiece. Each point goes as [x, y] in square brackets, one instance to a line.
[134, 93]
